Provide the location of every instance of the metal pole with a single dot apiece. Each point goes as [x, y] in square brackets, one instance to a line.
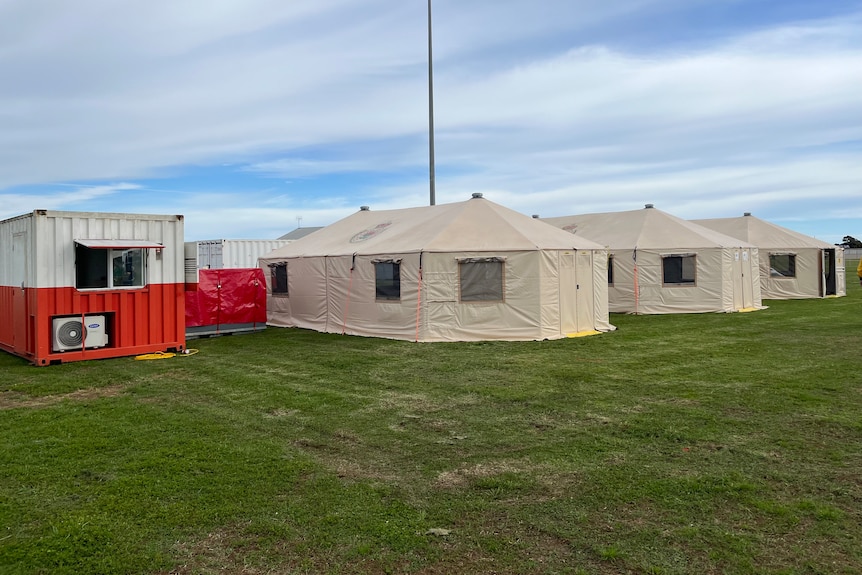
[430, 108]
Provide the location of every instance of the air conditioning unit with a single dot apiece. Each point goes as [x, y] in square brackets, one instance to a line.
[71, 333]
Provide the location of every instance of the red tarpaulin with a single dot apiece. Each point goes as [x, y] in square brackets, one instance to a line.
[226, 299]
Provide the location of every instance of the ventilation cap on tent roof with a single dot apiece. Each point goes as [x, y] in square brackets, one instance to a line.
[747, 214]
[477, 195]
[364, 208]
[649, 206]
[535, 216]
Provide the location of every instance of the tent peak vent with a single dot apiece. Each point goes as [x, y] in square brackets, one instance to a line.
[535, 216]
[364, 208]
[477, 195]
[747, 214]
[649, 206]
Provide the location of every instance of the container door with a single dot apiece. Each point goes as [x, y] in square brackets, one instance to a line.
[20, 313]
[217, 256]
[204, 256]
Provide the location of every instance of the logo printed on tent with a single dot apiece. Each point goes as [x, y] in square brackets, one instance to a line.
[369, 233]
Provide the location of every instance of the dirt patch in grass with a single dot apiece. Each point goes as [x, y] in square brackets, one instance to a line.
[333, 456]
[462, 476]
[410, 403]
[239, 551]
[417, 403]
[13, 400]
[223, 551]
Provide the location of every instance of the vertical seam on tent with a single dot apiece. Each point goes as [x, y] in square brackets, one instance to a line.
[349, 287]
[327, 290]
[636, 286]
[560, 291]
[419, 297]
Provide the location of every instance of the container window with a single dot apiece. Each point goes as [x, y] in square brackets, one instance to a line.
[387, 280]
[481, 280]
[128, 267]
[109, 268]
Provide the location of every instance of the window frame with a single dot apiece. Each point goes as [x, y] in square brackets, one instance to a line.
[87, 261]
[501, 265]
[274, 280]
[610, 270]
[791, 265]
[683, 281]
[379, 294]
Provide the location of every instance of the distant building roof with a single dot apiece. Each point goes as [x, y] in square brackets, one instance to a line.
[299, 233]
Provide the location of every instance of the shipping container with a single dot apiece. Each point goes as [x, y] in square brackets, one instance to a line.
[87, 285]
[229, 254]
[230, 302]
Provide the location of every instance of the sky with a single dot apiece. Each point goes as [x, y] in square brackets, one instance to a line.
[255, 117]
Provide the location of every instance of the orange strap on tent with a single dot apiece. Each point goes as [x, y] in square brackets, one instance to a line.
[418, 302]
[637, 287]
[419, 297]
[347, 303]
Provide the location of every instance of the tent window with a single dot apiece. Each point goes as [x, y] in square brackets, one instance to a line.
[679, 269]
[610, 270]
[279, 278]
[387, 280]
[782, 265]
[109, 268]
[481, 280]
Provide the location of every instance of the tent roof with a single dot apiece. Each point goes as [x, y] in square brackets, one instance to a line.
[762, 233]
[648, 228]
[299, 233]
[476, 225]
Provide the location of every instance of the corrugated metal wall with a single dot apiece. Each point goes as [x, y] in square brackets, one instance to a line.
[16, 251]
[37, 284]
[55, 250]
[233, 254]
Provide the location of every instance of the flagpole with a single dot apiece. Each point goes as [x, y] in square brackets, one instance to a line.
[430, 108]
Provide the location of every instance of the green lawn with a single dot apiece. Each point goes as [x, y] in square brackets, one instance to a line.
[716, 443]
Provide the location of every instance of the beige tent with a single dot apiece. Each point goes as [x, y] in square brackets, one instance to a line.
[663, 264]
[792, 265]
[465, 271]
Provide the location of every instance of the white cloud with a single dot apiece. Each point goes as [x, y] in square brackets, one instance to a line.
[61, 197]
[526, 110]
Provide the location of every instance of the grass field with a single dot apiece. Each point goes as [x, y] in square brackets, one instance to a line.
[716, 443]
